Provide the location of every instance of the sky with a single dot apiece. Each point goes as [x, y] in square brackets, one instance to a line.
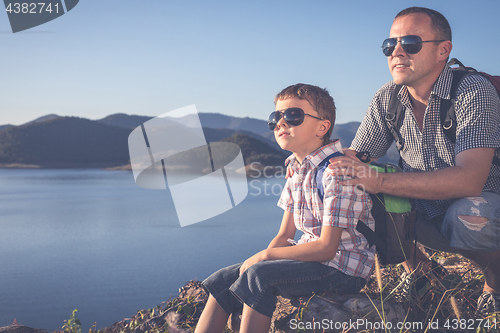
[148, 57]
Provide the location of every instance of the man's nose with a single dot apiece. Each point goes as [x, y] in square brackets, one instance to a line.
[398, 50]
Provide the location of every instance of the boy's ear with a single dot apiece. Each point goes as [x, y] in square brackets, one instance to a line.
[324, 127]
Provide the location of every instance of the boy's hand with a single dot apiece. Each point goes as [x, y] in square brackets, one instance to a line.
[260, 256]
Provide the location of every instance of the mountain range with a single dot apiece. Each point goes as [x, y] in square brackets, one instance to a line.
[52, 141]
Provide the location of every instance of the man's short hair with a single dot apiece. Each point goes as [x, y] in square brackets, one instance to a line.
[439, 22]
[319, 98]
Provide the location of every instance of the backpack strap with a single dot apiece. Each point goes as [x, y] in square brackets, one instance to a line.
[394, 116]
[321, 170]
[447, 108]
[378, 214]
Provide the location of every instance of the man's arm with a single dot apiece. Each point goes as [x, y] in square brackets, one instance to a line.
[465, 179]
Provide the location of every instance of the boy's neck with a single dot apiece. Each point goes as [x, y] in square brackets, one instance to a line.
[300, 156]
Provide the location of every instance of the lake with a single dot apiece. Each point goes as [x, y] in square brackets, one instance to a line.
[94, 240]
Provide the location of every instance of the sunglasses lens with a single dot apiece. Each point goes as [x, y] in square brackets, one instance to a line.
[294, 116]
[273, 120]
[389, 45]
[411, 44]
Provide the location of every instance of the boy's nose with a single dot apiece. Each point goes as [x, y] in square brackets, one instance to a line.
[281, 123]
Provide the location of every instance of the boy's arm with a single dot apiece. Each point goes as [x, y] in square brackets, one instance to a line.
[287, 231]
[324, 249]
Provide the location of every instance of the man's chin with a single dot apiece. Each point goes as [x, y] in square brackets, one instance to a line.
[399, 80]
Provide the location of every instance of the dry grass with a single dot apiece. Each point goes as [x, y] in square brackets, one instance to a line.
[452, 299]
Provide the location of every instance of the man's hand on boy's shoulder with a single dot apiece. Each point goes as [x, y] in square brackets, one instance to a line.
[361, 175]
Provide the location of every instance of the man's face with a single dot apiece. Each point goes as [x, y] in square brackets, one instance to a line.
[420, 69]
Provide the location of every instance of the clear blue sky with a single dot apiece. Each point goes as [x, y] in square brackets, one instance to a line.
[147, 57]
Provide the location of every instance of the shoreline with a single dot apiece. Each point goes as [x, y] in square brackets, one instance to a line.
[262, 171]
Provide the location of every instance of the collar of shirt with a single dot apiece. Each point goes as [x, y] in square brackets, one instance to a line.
[315, 158]
[441, 88]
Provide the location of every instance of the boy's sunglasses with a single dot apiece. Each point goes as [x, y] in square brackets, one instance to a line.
[411, 44]
[292, 116]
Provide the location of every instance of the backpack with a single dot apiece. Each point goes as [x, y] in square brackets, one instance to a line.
[394, 219]
[395, 114]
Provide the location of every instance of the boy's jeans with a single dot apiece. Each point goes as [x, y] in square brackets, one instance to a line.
[259, 285]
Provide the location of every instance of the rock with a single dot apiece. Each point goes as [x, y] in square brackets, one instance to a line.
[332, 312]
[329, 311]
[175, 316]
[20, 329]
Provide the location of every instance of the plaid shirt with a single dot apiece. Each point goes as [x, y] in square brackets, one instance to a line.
[477, 110]
[342, 206]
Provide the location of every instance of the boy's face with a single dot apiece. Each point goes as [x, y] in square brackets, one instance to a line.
[305, 138]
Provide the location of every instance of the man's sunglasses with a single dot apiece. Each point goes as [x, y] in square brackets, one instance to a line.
[411, 44]
[292, 116]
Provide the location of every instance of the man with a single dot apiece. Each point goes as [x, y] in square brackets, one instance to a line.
[456, 187]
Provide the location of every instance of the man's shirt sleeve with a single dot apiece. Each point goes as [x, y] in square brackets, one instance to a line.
[373, 135]
[478, 115]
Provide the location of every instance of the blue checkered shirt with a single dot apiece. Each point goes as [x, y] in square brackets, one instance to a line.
[477, 110]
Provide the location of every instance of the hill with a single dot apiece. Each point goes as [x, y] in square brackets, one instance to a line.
[71, 142]
[123, 120]
[255, 151]
[64, 142]
[2, 127]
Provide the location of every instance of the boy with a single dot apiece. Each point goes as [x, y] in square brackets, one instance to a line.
[330, 256]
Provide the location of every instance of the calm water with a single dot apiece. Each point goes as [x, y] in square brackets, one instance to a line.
[93, 240]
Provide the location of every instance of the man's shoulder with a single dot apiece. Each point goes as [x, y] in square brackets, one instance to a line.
[474, 82]
[384, 94]
[387, 88]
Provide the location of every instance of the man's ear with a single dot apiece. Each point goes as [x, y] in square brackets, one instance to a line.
[445, 49]
[324, 127]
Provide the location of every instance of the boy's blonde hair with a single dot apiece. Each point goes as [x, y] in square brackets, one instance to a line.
[319, 98]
